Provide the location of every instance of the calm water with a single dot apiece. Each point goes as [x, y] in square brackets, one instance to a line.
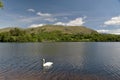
[72, 61]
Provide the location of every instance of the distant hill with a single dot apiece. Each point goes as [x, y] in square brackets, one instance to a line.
[63, 29]
[51, 28]
[53, 33]
[6, 29]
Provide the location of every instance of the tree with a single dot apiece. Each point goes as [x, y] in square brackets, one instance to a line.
[1, 4]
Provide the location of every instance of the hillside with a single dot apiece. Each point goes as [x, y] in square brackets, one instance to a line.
[6, 29]
[63, 29]
[51, 28]
[51, 33]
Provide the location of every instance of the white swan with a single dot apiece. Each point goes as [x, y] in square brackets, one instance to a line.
[46, 64]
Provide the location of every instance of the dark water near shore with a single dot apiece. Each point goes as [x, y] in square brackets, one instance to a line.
[72, 61]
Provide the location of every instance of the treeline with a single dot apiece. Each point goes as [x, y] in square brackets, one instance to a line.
[1, 4]
[19, 35]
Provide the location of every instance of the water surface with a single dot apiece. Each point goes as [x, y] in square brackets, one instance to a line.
[72, 61]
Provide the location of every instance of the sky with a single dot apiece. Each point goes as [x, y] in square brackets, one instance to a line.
[100, 15]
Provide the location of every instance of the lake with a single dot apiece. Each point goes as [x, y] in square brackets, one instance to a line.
[72, 61]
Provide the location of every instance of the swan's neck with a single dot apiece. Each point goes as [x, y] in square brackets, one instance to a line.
[43, 61]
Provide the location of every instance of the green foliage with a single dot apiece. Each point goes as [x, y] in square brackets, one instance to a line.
[1, 4]
[22, 35]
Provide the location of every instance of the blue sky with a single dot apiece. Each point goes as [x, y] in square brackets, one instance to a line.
[101, 15]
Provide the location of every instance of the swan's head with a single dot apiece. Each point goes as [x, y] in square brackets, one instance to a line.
[43, 60]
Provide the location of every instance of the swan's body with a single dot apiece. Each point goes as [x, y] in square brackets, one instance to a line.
[47, 64]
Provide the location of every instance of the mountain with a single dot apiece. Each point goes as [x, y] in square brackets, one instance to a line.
[51, 28]
[63, 29]
[53, 33]
[6, 29]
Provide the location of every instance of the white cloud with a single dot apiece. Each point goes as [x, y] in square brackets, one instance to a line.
[44, 14]
[46, 17]
[76, 22]
[60, 23]
[41, 17]
[31, 10]
[50, 19]
[36, 25]
[33, 19]
[103, 31]
[113, 21]
[113, 31]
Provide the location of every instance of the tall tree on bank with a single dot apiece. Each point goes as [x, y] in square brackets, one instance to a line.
[1, 4]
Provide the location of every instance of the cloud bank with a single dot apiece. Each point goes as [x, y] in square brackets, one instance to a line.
[36, 25]
[46, 16]
[31, 10]
[50, 18]
[43, 14]
[114, 21]
[113, 31]
[76, 22]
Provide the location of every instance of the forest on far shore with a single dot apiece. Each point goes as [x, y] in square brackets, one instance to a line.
[19, 35]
